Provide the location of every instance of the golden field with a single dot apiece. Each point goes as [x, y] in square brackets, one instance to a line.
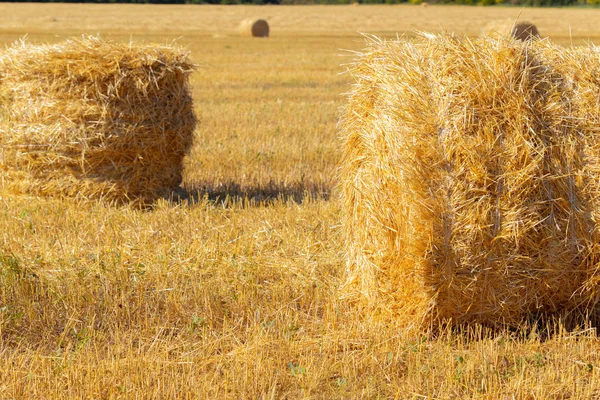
[232, 289]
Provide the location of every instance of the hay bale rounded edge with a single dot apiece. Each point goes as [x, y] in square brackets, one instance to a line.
[90, 118]
[525, 31]
[470, 179]
[509, 28]
[254, 28]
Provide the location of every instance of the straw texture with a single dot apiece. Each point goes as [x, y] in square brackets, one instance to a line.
[470, 179]
[90, 118]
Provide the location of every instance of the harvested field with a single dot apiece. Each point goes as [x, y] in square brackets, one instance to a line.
[564, 25]
[232, 288]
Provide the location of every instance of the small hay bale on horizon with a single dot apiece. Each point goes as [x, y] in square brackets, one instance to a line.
[90, 118]
[508, 28]
[470, 179]
[254, 28]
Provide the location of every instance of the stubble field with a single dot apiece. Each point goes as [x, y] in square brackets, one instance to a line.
[231, 290]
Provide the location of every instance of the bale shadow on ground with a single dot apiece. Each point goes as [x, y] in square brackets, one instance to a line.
[233, 193]
[541, 326]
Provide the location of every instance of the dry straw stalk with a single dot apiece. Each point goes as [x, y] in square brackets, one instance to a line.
[90, 118]
[471, 177]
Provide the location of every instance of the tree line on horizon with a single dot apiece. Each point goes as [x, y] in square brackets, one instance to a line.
[533, 3]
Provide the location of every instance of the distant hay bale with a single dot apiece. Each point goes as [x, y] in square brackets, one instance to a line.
[254, 28]
[525, 31]
[424, 4]
[90, 118]
[471, 179]
[521, 30]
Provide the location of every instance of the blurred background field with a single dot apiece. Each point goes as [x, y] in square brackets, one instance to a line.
[230, 290]
[285, 21]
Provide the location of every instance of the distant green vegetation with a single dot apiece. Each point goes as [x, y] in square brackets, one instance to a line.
[534, 3]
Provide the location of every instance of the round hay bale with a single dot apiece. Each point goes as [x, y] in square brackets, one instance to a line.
[525, 31]
[424, 4]
[508, 28]
[470, 180]
[90, 118]
[254, 28]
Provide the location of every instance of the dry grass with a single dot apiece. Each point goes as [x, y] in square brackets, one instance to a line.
[236, 295]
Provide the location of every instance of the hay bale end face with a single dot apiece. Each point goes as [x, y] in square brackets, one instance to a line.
[471, 179]
[525, 31]
[90, 118]
[254, 28]
[509, 28]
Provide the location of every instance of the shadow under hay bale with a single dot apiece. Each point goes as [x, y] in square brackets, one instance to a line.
[90, 118]
[471, 179]
[509, 28]
[254, 28]
[232, 193]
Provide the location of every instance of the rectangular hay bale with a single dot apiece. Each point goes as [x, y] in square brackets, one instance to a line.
[471, 178]
[91, 118]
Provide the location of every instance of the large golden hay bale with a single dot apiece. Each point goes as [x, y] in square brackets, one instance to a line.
[471, 179]
[94, 119]
[519, 30]
[254, 28]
